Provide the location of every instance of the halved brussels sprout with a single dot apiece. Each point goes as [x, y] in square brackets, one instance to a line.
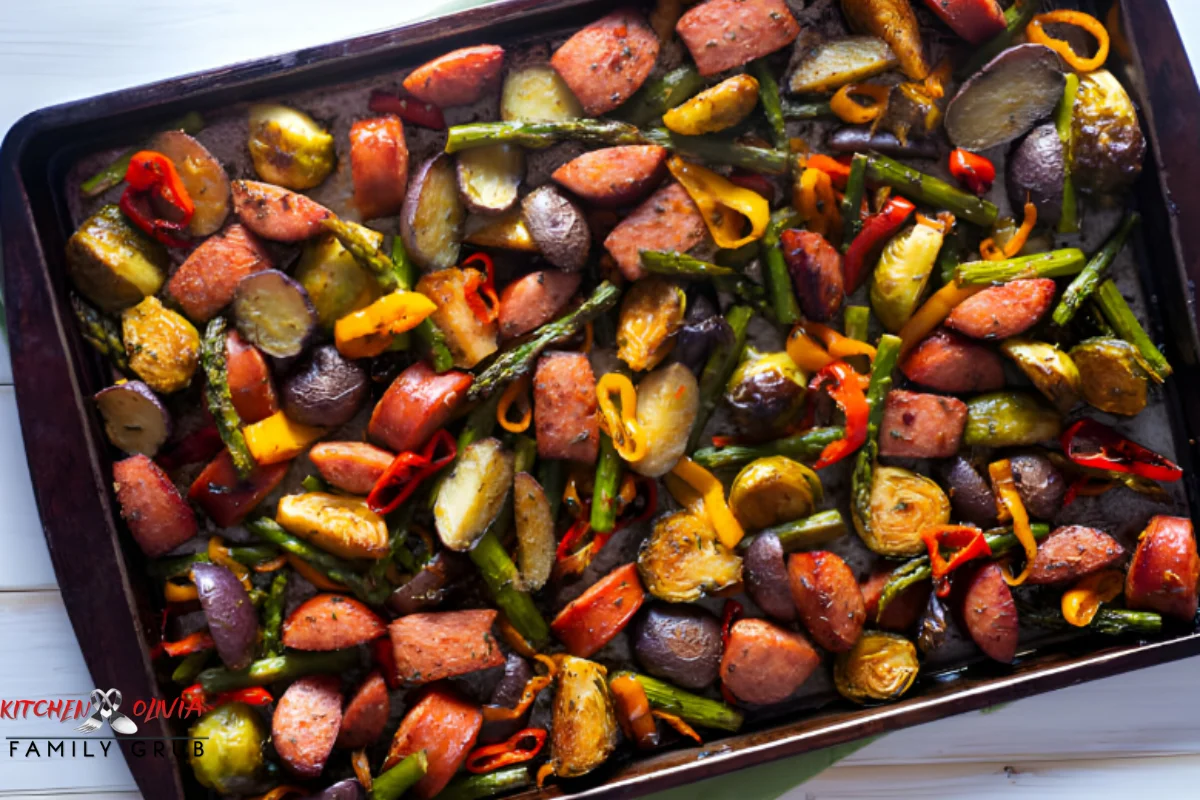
[880, 667]
[231, 760]
[288, 147]
[902, 272]
[903, 504]
[1107, 145]
[651, 314]
[335, 282]
[1010, 419]
[683, 559]
[1051, 370]
[773, 490]
[766, 394]
[114, 264]
[1112, 378]
[585, 728]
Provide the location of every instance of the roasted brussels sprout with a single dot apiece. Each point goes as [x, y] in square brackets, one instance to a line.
[584, 732]
[112, 263]
[1111, 376]
[231, 761]
[880, 667]
[903, 504]
[902, 272]
[773, 490]
[682, 559]
[1051, 370]
[766, 394]
[651, 314]
[1009, 419]
[288, 147]
[1107, 145]
[162, 346]
[335, 282]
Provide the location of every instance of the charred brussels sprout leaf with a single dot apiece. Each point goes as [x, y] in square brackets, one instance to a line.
[880, 667]
[1107, 145]
[903, 504]
[651, 314]
[683, 559]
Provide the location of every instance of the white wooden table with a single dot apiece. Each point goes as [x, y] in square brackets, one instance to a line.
[1135, 735]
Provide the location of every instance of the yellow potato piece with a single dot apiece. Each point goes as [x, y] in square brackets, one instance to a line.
[716, 108]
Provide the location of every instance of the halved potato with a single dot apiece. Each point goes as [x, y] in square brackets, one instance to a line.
[832, 64]
[507, 232]
[1013, 92]
[345, 526]
[112, 263]
[535, 532]
[431, 222]
[203, 177]
[488, 177]
[558, 226]
[1051, 370]
[537, 93]
[473, 494]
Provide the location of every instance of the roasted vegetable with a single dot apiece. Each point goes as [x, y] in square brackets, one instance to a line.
[894, 22]
[344, 526]
[1107, 145]
[163, 348]
[473, 493]
[431, 222]
[326, 390]
[488, 177]
[773, 490]
[903, 271]
[1009, 419]
[535, 532]
[1013, 92]
[1111, 375]
[537, 93]
[767, 577]
[652, 312]
[230, 760]
[929, 190]
[801, 447]
[273, 313]
[691, 708]
[857, 139]
[766, 394]
[334, 281]
[231, 618]
[668, 402]
[971, 496]
[134, 418]
[1036, 170]
[202, 175]
[682, 559]
[288, 147]
[1115, 311]
[1085, 284]
[880, 667]
[112, 263]
[716, 108]
[584, 731]
[903, 504]
[1051, 370]
[558, 226]
[679, 643]
[469, 338]
[833, 63]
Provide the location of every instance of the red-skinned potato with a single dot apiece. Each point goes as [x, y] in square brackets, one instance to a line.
[275, 213]
[326, 390]
[489, 177]
[558, 226]
[458, 78]
[767, 577]
[1165, 569]
[157, 516]
[1006, 98]
[534, 300]
[306, 723]
[331, 622]
[431, 222]
[378, 165]
[614, 176]
[989, 613]
[232, 620]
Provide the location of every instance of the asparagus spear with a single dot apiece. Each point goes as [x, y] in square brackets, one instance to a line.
[802, 111]
[179, 565]
[929, 190]
[312, 483]
[289, 667]
[428, 331]
[1109, 621]
[1016, 18]
[474, 787]
[886, 356]
[273, 615]
[722, 150]
[663, 262]
[738, 258]
[329, 565]
[219, 400]
[1118, 313]
[857, 320]
[114, 173]
[1054, 264]
[538, 135]
[810, 532]
[779, 282]
[365, 253]
[1068, 222]
[392, 784]
[512, 364]
[606, 487]
[692, 708]
[1085, 283]
[1000, 540]
[100, 332]
[657, 98]
[805, 446]
[720, 365]
[772, 105]
[856, 185]
[185, 674]
[500, 574]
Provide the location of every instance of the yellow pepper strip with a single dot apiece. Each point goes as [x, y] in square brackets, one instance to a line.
[176, 592]
[729, 530]
[850, 111]
[621, 423]
[716, 108]
[369, 331]
[516, 392]
[722, 203]
[817, 203]
[219, 554]
[685, 495]
[840, 347]
[513, 637]
[313, 576]
[1081, 602]
[931, 314]
[278, 438]
[1037, 34]
[991, 252]
[1006, 488]
[808, 354]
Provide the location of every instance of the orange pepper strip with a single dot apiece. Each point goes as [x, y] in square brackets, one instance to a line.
[1036, 34]
[633, 711]
[368, 332]
[516, 392]
[545, 771]
[808, 355]
[677, 723]
[219, 554]
[362, 768]
[992, 252]
[1006, 489]
[815, 200]
[850, 111]
[729, 530]
[310, 574]
[271, 564]
[513, 638]
[532, 689]
[176, 592]
[522, 746]
[839, 346]
[192, 643]
[1081, 602]
[838, 172]
[280, 792]
[933, 312]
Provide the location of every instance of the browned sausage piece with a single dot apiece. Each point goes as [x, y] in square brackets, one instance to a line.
[366, 714]
[534, 300]
[999, 312]
[816, 269]
[443, 644]
[306, 722]
[827, 595]
[607, 61]
[947, 362]
[1165, 569]
[921, 425]
[1072, 552]
[378, 166]
[667, 220]
[902, 613]
[206, 281]
[276, 213]
[151, 506]
[723, 34]
[564, 408]
[614, 176]
[990, 614]
[458, 78]
[764, 663]
[353, 467]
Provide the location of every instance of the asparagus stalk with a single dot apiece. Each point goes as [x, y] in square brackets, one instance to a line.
[1000, 541]
[778, 280]
[1086, 282]
[474, 787]
[500, 574]
[720, 365]
[657, 98]
[805, 446]
[114, 173]
[100, 332]
[219, 400]
[1068, 222]
[772, 105]
[312, 483]
[606, 487]
[738, 258]
[1109, 621]
[807, 533]
[1118, 313]
[1054, 264]
[886, 356]
[185, 674]
[692, 708]
[179, 565]
[857, 320]
[663, 262]
[539, 135]
[329, 565]
[803, 111]
[748, 292]
[519, 361]
[722, 150]
[365, 253]
[929, 190]
[856, 185]
[1016, 18]
[392, 784]
[273, 615]
[287, 667]
[428, 331]
[1096, 319]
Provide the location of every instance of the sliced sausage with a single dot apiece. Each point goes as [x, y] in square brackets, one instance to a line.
[607, 61]
[767, 577]
[970, 494]
[1165, 569]
[206, 281]
[1039, 483]
[378, 166]
[534, 300]
[276, 213]
[1072, 552]
[827, 595]
[921, 425]
[249, 377]
[366, 714]
[565, 409]
[999, 312]
[443, 725]
[974, 20]
[764, 663]
[331, 622]
[990, 615]
[458, 78]
[902, 613]
[948, 362]
[614, 176]
[723, 34]
[306, 723]
[151, 506]
[353, 467]
[679, 643]
[816, 269]
[432, 646]
[667, 220]
[415, 406]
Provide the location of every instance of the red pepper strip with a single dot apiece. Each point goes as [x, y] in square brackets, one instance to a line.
[572, 537]
[1087, 486]
[724, 441]
[193, 643]
[1092, 444]
[966, 541]
[972, 170]
[385, 657]
[194, 696]
[481, 288]
[150, 176]
[846, 389]
[251, 696]
[409, 109]
[877, 229]
[732, 613]
[838, 171]
[522, 746]
[408, 470]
